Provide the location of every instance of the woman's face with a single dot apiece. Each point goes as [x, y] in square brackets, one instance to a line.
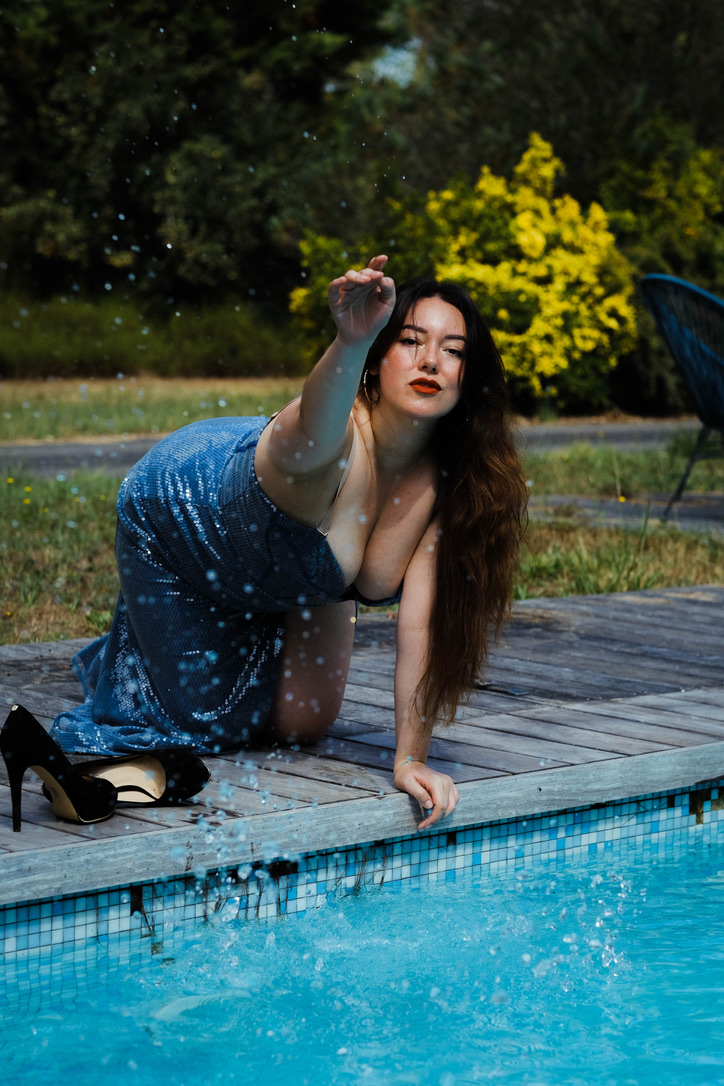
[421, 372]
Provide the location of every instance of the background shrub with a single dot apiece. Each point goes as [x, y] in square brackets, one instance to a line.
[66, 336]
[555, 290]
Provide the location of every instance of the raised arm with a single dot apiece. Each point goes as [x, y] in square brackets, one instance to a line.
[435, 791]
[313, 430]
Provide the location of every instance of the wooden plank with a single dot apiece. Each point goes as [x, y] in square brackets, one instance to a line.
[379, 679]
[612, 660]
[366, 753]
[608, 613]
[36, 701]
[275, 783]
[41, 651]
[590, 682]
[501, 689]
[606, 653]
[694, 611]
[707, 696]
[683, 703]
[646, 715]
[315, 766]
[559, 715]
[625, 640]
[345, 727]
[363, 695]
[40, 823]
[503, 752]
[342, 788]
[652, 654]
[361, 681]
[662, 626]
[701, 594]
[37, 811]
[586, 717]
[650, 602]
[551, 727]
[505, 757]
[593, 680]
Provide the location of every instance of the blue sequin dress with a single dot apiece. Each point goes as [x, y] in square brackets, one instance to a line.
[208, 565]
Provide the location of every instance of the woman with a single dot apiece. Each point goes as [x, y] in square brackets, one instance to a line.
[243, 545]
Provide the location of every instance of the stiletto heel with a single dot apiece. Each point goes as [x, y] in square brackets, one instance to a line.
[163, 778]
[24, 744]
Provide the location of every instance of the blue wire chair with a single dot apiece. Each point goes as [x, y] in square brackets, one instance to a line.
[692, 322]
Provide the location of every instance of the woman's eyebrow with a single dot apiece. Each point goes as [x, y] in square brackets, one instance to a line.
[423, 331]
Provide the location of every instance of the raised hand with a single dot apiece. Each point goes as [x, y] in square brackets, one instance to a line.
[361, 302]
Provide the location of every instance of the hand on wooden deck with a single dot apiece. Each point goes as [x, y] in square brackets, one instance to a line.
[436, 792]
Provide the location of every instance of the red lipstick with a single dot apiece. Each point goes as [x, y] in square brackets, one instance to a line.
[424, 385]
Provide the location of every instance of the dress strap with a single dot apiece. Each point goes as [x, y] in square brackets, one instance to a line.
[326, 521]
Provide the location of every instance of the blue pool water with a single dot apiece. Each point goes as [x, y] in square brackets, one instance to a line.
[606, 973]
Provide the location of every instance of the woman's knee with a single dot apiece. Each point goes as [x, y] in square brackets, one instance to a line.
[308, 700]
[303, 727]
[313, 673]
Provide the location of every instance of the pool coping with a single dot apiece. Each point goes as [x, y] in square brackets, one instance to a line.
[212, 842]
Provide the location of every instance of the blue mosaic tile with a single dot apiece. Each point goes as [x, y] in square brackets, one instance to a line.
[125, 921]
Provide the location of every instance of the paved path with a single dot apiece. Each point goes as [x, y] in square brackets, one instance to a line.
[116, 457]
[626, 436]
[63, 457]
[693, 512]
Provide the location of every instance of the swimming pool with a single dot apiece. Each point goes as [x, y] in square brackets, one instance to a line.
[581, 947]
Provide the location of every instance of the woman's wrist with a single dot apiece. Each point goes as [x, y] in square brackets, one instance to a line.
[354, 344]
[407, 761]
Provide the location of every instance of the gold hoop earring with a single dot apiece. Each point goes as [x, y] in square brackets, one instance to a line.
[364, 386]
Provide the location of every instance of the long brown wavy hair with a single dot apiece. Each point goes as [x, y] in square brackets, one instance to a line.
[481, 505]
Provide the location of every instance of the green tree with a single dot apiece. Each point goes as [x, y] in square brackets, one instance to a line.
[586, 74]
[166, 143]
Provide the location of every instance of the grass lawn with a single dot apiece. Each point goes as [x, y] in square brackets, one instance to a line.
[71, 409]
[605, 472]
[58, 574]
[57, 567]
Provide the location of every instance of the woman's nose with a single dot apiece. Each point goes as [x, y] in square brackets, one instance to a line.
[429, 360]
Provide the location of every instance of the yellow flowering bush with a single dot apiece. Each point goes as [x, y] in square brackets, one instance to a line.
[546, 274]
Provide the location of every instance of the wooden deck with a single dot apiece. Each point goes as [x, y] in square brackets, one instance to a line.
[590, 699]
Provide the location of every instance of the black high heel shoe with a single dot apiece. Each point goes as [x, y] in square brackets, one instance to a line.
[25, 744]
[162, 779]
